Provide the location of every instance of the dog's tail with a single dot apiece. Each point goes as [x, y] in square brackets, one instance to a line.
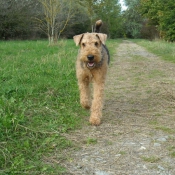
[98, 25]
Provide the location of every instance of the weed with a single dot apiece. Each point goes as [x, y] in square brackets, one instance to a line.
[158, 114]
[156, 73]
[151, 159]
[109, 143]
[153, 122]
[91, 141]
[172, 154]
[165, 129]
[171, 148]
[122, 152]
[172, 151]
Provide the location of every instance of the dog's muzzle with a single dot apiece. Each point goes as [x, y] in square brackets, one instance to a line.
[90, 63]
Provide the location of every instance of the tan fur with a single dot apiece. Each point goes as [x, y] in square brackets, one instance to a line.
[91, 44]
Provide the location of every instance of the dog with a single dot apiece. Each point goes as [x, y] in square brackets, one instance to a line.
[91, 66]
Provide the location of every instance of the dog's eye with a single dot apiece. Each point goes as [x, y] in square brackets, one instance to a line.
[83, 44]
[96, 43]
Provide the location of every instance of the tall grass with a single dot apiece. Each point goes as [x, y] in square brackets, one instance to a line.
[161, 48]
[39, 100]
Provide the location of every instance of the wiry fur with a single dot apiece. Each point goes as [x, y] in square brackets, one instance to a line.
[92, 44]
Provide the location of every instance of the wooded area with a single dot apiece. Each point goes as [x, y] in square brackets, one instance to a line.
[52, 19]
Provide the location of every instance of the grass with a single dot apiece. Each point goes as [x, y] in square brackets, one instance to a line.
[90, 141]
[151, 159]
[165, 129]
[122, 152]
[171, 149]
[112, 45]
[39, 100]
[161, 48]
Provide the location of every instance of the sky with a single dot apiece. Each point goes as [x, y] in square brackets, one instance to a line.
[123, 4]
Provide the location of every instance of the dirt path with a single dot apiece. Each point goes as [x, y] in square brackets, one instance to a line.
[137, 136]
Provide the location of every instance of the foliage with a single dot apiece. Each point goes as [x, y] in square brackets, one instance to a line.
[132, 19]
[53, 18]
[143, 18]
[110, 12]
[15, 18]
[162, 14]
[89, 9]
[152, 16]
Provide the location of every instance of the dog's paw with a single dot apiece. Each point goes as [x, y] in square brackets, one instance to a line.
[95, 121]
[85, 105]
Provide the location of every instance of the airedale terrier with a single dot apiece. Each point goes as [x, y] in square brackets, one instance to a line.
[91, 66]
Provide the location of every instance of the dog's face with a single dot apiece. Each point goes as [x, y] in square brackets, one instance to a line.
[90, 44]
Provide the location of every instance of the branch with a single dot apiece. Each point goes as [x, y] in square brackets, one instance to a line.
[68, 18]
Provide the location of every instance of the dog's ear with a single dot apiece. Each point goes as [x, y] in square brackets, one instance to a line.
[77, 39]
[102, 37]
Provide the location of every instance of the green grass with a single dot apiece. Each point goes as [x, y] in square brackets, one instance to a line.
[112, 46]
[161, 48]
[122, 152]
[151, 159]
[39, 100]
[90, 141]
[165, 129]
[171, 149]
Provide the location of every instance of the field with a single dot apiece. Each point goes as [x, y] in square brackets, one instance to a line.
[39, 102]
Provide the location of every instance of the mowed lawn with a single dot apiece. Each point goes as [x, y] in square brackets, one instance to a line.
[39, 100]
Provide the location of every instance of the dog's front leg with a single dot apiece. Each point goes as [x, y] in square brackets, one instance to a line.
[97, 103]
[84, 93]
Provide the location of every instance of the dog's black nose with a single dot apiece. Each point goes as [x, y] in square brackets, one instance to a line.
[90, 57]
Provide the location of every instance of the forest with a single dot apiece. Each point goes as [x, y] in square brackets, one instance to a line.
[52, 19]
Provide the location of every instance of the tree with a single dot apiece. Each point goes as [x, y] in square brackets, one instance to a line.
[89, 6]
[132, 19]
[15, 18]
[160, 13]
[110, 13]
[57, 14]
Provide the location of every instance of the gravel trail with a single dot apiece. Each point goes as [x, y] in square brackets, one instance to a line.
[137, 136]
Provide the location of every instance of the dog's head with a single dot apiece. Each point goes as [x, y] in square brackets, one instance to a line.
[91, 45]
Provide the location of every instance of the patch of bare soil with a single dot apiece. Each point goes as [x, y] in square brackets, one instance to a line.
[137, 136]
